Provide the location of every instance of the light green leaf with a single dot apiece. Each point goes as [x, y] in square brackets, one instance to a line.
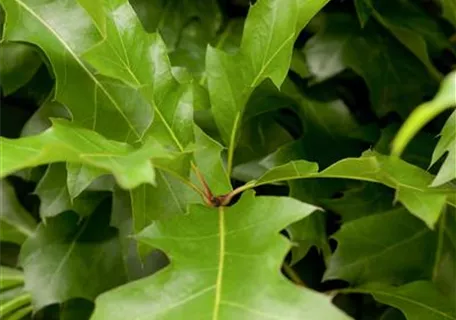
[94, 102]
[15, 303]
[80, 176]
[446, 144]
[267, 43]
[10, 277]
[16, 224]
[205, 282]
[410, 182]
[140, 59]
[425, 112]
[69, 258]
[449, 10]
[393, 247]
[68, 142]
[18, 63]
[417, 300]
[208, 159]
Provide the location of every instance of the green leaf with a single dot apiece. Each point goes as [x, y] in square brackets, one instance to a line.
[83, 255]
[94, 102]
[10, 277]
[393, 247]
[208, 159]
[444, 273]
[140, 59]
[210, 276]
[55, 198]
[425, 112]
[172, 17]
[169, 198]
[16, 224]
[449, 10]
[68, 142]
[396, 79]
[446, 144]
[80, 176]
[364, 11]
[308, 232]
[410, 182]
[18, 63]
[14, 301]
[267, 43]
[417, 300]
[416, 30]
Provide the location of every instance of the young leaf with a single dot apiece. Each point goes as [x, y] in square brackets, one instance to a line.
[95, 102]
[212, 251]
[84, 256]
[68, 142]
[16, 224]
[18, 63]
[418, 300]
[446, 144]
[410, 182]
[267, 43]
[393, 247]
[444, 99]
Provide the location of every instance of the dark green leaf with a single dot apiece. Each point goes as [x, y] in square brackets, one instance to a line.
[417, 300]
[16, 224]
[393, 247]
[18, 63]
[69, 258]
[396, 79]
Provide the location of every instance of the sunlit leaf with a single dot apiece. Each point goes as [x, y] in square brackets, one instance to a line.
[211, 248]
[67, 142]
[411, 183]
[266, 48]
[94, 102]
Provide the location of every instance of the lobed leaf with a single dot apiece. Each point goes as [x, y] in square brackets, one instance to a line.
[94, 102]
[265, 52]
[84, 256]
[418, 300]
[410, 182]
[68, 142]
[212, 251]
[392, 247]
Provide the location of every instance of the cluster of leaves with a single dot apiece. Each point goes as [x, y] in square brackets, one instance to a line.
[207, 159]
